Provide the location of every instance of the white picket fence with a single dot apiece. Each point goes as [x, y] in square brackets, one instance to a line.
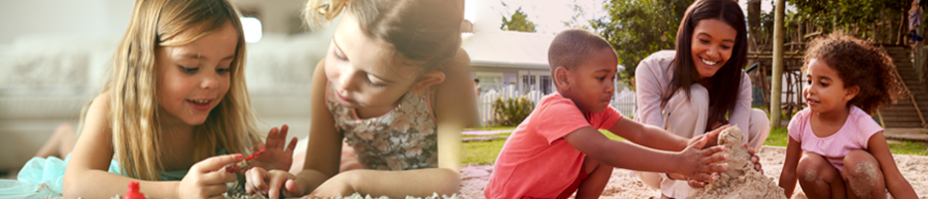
[623, 101]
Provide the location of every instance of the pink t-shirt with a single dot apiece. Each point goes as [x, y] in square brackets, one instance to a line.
[536, 162]
[854, 135]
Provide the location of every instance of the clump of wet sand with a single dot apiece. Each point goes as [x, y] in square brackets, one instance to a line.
[739, 180]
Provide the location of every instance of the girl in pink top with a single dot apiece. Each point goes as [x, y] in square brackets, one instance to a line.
[845, 152]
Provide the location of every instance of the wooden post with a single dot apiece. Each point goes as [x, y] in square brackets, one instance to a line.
[777, 77]
[753, 26]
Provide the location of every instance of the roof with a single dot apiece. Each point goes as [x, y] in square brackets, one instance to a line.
[507, 49]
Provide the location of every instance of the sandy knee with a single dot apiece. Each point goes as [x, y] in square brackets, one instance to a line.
[810, 168]
[860, 166]
[863, 174]
[809, 175]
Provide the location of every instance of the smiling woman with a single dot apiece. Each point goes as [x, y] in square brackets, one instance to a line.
[700, 86]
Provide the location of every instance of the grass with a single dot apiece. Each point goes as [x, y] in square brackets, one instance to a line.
[482, 153]
[490, 128]
[485, 153]
[907, 147]
[500, 134]
[779, 137]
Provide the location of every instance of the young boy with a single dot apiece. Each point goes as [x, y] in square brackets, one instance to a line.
[546, 156]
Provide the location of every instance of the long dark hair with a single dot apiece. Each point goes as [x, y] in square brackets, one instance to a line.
[727, 81]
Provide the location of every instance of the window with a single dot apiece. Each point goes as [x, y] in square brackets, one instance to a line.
[252, 28]
[547, 86]
[528, 83]
[490, 81]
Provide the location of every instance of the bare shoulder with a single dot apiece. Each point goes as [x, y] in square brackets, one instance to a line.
[455, 96]
[99, 107]
[457, 68]
[457, 76]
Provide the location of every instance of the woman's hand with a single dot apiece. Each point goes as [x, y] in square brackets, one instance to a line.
[207, 179]
[274, 183]
[754, 159]
[276, 155]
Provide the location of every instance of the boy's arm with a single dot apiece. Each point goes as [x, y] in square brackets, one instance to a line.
[788, 175]
[691, 162]
[649, 135]
[895, 182]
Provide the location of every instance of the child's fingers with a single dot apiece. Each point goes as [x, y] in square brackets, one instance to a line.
[272, 139]
[701, 177]
[283, 131]
[217, 177]
[712, 150]
[216, 163]
[710, 158]
[276, 182]
[700, 142]
[255, 180]
[214, 190]
[281, 138]
[292, 187]
[292, 146]
[696, 184]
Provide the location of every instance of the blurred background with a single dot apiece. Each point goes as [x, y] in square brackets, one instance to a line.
[54, 54]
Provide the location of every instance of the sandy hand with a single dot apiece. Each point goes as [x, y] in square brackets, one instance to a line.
[700, 164]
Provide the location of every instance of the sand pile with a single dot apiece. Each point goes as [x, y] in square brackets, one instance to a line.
[739, 180]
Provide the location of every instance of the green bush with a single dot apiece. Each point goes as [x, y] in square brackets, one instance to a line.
[511, 112]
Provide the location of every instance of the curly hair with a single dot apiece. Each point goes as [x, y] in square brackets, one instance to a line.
[858, 63]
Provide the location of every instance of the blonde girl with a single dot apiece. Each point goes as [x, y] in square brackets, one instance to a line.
[174, 104]
[395, 86]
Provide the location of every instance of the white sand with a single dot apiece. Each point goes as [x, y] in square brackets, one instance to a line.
[621, 185]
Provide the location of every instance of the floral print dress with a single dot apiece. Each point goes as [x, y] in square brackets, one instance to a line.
[403, 139]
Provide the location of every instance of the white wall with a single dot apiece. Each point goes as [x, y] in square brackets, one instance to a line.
[21, 18]
[109, 18]
[277, 16]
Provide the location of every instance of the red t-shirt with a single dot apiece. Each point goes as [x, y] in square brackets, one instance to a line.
[536, 162]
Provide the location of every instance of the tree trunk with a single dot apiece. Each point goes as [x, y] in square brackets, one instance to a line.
[777, 80]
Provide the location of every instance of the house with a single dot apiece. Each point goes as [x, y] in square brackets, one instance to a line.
[507, 61]
[501, 58]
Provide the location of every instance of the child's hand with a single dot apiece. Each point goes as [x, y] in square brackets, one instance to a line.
[275, 156]
[274, 183]
[335, 186]
[712, 137]
[755, 159]
[206, 179]
[699, 164]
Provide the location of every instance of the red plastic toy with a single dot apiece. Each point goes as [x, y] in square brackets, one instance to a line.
[245, 163]
[133, 192]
